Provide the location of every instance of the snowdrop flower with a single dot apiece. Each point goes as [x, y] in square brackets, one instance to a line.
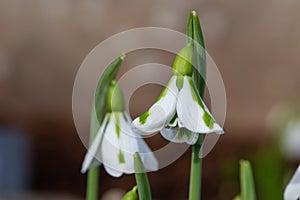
[292, 191]
[116, 142]
[179, 113]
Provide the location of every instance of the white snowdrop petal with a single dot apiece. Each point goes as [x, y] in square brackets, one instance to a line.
[148, 158]
[131, 143]
[292, 191]
[113, 172]
[179, 135]
[91, 159]
[192, 111]
[111, 154]
[119, 145]
[115, 145]
[160, 113]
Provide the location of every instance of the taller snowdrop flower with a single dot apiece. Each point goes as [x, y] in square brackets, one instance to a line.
[179, 113]
[116, 143]
[292, 191]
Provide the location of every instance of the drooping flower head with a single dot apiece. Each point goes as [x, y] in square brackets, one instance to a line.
[116, 143]
[179, 113]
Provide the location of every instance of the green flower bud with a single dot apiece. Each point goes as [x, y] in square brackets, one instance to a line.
[114, 98]
[131, 195]
[183, 62]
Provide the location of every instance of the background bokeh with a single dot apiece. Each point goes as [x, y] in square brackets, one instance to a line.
[255, 44]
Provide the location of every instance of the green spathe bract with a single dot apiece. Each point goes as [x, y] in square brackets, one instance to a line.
[103, 84]
[183, 62]
[118, 129]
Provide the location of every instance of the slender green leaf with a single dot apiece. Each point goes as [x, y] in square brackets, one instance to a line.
[144, 190]
[199, 61]
[247, 181]
[103, 84]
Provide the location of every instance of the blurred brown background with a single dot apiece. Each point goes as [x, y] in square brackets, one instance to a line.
[255, 44]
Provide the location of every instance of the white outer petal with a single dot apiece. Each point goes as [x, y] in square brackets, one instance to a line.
[160, 112]
[292, 191]
[132, 143]
[91, 158]
[190, 113]
[110, 148]
[172, 134]
[129, 143]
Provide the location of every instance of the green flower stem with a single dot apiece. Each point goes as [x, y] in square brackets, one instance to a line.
[96, 119]
[141, 178]
[92, 184]
[194, 33]
[196, 170]
[93, 174]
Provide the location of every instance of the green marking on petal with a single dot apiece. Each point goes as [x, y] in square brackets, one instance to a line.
[108, 118]
[118, 130]
[121, 157]
[143, 117]
[165, 90]
[173, 119]
[179, 82]
[208, 120]
[114, 98]
[162, 94]
[184, 132]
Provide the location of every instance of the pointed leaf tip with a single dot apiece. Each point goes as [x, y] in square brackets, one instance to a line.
[131, 195]
[122, 56]
[247, 181]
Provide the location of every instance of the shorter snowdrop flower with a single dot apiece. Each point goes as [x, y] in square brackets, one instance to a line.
[116, 143]
[292, 191]
[179, 113]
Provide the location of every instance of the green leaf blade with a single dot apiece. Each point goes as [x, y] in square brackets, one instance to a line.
[144, 190]
[247, 181]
